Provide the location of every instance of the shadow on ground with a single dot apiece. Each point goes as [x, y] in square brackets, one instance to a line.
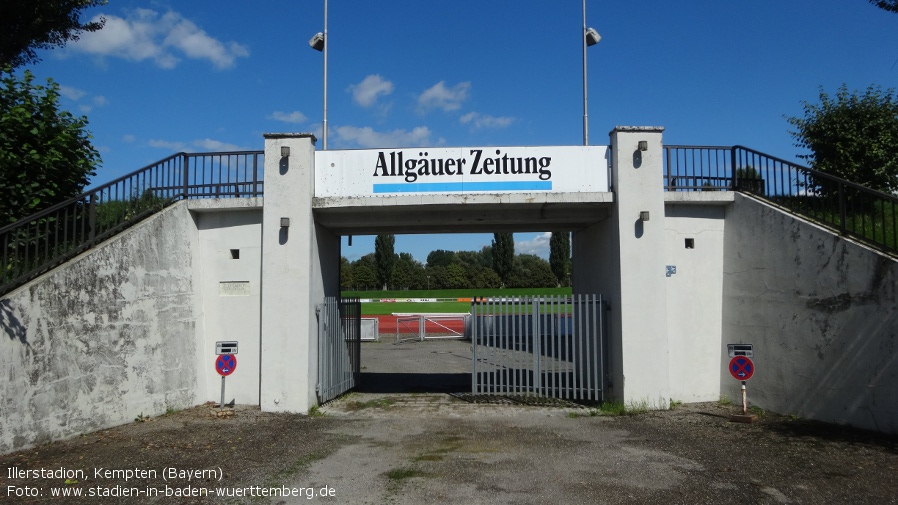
[385, 382]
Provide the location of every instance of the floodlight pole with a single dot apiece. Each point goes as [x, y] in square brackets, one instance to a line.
[324, 126]
[585, 114]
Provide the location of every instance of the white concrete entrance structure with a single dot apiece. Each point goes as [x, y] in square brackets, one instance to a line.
[129, 327]
[623, 258]
[618, 244]
[300, 267]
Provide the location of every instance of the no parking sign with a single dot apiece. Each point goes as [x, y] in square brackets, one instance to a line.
[225, 364]
[742, 368]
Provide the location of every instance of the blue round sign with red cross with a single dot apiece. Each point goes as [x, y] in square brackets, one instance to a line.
[741, 368]
[225, 364]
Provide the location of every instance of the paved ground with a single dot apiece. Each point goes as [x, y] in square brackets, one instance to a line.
[403, 440]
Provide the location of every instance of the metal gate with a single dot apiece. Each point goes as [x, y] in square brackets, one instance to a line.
[339, 346]
[553, 346]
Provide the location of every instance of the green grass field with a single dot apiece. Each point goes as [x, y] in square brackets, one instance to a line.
[445, 297]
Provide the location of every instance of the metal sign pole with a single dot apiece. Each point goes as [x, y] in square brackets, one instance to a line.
[744, 400]
[225, 364]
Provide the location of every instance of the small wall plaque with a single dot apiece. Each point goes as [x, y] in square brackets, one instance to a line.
[233, 288]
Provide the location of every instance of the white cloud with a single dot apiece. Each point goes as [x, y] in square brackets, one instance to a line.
[295, 117]
[71, 93]
[129, 139]
[215, 145]
[367, 92]
[203, 144]
[196, 44]
[439, 96]
[539, 245]
[478, 120]
[98, 101]
[368, 137]
[166, 144]
[76, 94]
[145, 35]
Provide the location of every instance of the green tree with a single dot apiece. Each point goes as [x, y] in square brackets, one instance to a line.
[45, 153]
[531, 271]
[364, 272]
[27, 26]
[345, 273]
[436, 277]
[408, 273]
[486, 257]
[889, 5]
[503, 255]
[560, 256]
[441, 258]
[456, 277]
[484, 278]
[384, 257]
[853, 136]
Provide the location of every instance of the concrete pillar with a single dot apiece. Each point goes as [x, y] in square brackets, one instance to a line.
[300, 267]
[622, 258]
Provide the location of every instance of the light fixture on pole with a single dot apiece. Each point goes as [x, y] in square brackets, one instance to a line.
[318, 42]
[590, 38]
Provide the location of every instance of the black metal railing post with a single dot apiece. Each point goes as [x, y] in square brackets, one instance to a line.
[186, 175]
[843, 227]
[255, 176]
[734, 181]
[92, 218]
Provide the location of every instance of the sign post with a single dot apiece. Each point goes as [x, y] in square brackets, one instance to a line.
[225, 364]
[742, 369]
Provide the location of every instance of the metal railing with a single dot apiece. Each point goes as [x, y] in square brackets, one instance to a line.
[45, 239]
[698, 168]
[423, 327]
[552, 347]
[339, 346]
[866, 215]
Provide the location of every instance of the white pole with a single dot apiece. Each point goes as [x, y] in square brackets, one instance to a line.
[585, 115]
[324, 126]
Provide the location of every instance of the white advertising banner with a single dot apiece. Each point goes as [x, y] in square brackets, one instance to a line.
[454, 170]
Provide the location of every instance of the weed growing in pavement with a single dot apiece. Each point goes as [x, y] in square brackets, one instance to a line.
[758, 411]
[613, 409]
[398, 476]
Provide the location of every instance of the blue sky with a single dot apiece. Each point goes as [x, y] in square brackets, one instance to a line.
[204, 75]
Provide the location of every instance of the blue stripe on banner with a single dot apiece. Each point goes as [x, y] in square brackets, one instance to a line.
[442, 187]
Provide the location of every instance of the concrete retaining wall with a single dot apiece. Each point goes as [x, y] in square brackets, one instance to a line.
[105, 338]
[821, 313]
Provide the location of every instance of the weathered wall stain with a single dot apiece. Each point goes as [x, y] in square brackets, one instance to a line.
[841, 302]
[822, 314]
[108, 336]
